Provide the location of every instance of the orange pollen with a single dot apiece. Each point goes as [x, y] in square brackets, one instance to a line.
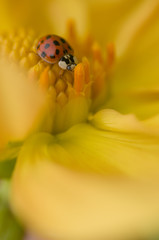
[79, 78]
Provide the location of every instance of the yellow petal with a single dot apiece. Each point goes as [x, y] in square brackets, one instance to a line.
[10, 151]
[112, 152]
[111, 120]
[5, 22]
[91, 15]
[143, 103]
[107, 17]
[34, 14]
[61, 11]
[135, 80]
[133, 28]
[57, 202]
[20, 102]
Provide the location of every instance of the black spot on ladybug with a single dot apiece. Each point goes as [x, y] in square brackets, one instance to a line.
[65, 51]
[43, 54]
[62, 40]
[56, 43]
[42, 41]
[49, 36]
[62, 59]
[57, 51]
[47, 45]
[38, 46]
[52, 56]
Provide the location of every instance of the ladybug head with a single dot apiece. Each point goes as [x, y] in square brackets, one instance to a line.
[68, 62]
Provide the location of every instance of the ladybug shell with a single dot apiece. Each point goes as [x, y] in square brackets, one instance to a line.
[52, 47]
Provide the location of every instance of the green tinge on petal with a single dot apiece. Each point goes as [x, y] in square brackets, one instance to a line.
[6, 168]
[8, 156]
[58, 202]
[10, 151]
[9, 227]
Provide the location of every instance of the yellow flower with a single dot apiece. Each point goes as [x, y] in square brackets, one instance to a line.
[87, 168]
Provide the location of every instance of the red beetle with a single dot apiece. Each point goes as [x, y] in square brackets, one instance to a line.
[52, 49]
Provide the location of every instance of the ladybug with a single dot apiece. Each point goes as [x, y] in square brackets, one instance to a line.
[52, 49]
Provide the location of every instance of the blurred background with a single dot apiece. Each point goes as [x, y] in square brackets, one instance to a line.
[102, 18]
[132, 25]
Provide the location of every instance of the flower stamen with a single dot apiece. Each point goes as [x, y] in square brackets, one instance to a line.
[44, 79]
[86, 69]
[79, 78]
[71, 31]
[97, 53]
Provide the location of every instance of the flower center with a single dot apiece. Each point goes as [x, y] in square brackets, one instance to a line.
[70, 95]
